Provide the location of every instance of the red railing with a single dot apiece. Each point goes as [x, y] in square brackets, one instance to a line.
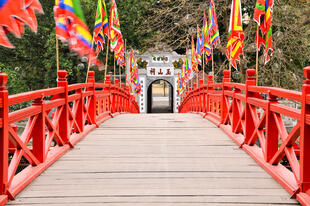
[31, 139]
[253, 116]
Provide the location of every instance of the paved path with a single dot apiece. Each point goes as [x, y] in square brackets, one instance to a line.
[155, 160]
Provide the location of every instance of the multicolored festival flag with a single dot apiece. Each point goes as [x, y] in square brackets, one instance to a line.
[213, 26]
[71, 28]
[14, 14]
[236, 35]
[101, 25]
[134, 75]
[188, 69]
[194, 57]
[199, 46]
[263, 16]
[206, 38]
[115, 28]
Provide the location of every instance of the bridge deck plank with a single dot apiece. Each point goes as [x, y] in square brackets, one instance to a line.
[155, 160]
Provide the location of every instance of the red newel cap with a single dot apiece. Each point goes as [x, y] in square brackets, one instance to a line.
[108, 78]
[226, 73]
[91, 74]
[195, 85]
[62, 75]
[210, 78]
[3, 80]
[116, 81]
[200, 81]
[307, 75]
[250, 74]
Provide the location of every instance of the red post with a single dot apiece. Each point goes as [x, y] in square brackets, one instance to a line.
[272, 134]
[79, 116]
[4, 126]
[224, 106]
[108, 90]
[305, 136]
[93, 100]
[209, 88]
[64, 118]
[38, 143]
[249, 122]
[115, 96]
[201, 96]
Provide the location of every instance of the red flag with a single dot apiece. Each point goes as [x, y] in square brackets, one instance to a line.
[14, 14]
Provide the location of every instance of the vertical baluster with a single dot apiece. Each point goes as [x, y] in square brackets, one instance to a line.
[64, 117]
[249, 123]
[79, 116]
[201, 95]
[107, 90]
[38, 141]
[224, 99]
[4, 112]
[305, 135]
[272, 134]
[93, 99]
[209, 89]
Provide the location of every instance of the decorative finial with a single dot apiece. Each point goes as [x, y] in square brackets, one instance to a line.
[307, 75]
[62, 75]
[250, 74]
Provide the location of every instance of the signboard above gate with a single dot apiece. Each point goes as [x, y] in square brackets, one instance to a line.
[160, 71]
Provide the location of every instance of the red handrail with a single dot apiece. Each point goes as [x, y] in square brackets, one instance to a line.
[56, 120]
[254, 118]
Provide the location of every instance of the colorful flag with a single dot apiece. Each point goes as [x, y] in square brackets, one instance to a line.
[236, 35]
[71, 28]
[199, 45]
[188, 69]
[134, 75]
[115, 28]
[206, 39]
[101, 25]
[213, 26]
[263, 11]
[13, 15]
[194, 59]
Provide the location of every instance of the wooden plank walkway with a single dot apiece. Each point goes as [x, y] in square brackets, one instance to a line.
[155, 160]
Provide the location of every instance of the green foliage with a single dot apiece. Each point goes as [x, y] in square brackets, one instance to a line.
[152, 23]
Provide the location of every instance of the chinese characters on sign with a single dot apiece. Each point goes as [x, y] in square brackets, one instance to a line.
[160, 71]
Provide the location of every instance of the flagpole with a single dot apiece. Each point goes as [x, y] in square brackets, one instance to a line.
[114, 66]
[57, 55]
[203, 66]
[88, 67]
[212, 63]
[106, 60]
[257, 50]
[120, 75]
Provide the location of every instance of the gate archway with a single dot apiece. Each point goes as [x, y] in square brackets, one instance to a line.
[160, 97]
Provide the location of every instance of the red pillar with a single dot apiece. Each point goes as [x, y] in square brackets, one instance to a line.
[249, 123]
[108, 90]
[305, 136]
[4, 112]
[93, 100]
[38, 141]
[64, 118]
[272, 134]
[224, 106]
[201, 96]
[209, 88]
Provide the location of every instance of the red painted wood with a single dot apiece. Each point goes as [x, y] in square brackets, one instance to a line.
[62, 116]
[252, 117]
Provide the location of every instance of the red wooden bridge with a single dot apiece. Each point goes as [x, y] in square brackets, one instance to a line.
[238, 152]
